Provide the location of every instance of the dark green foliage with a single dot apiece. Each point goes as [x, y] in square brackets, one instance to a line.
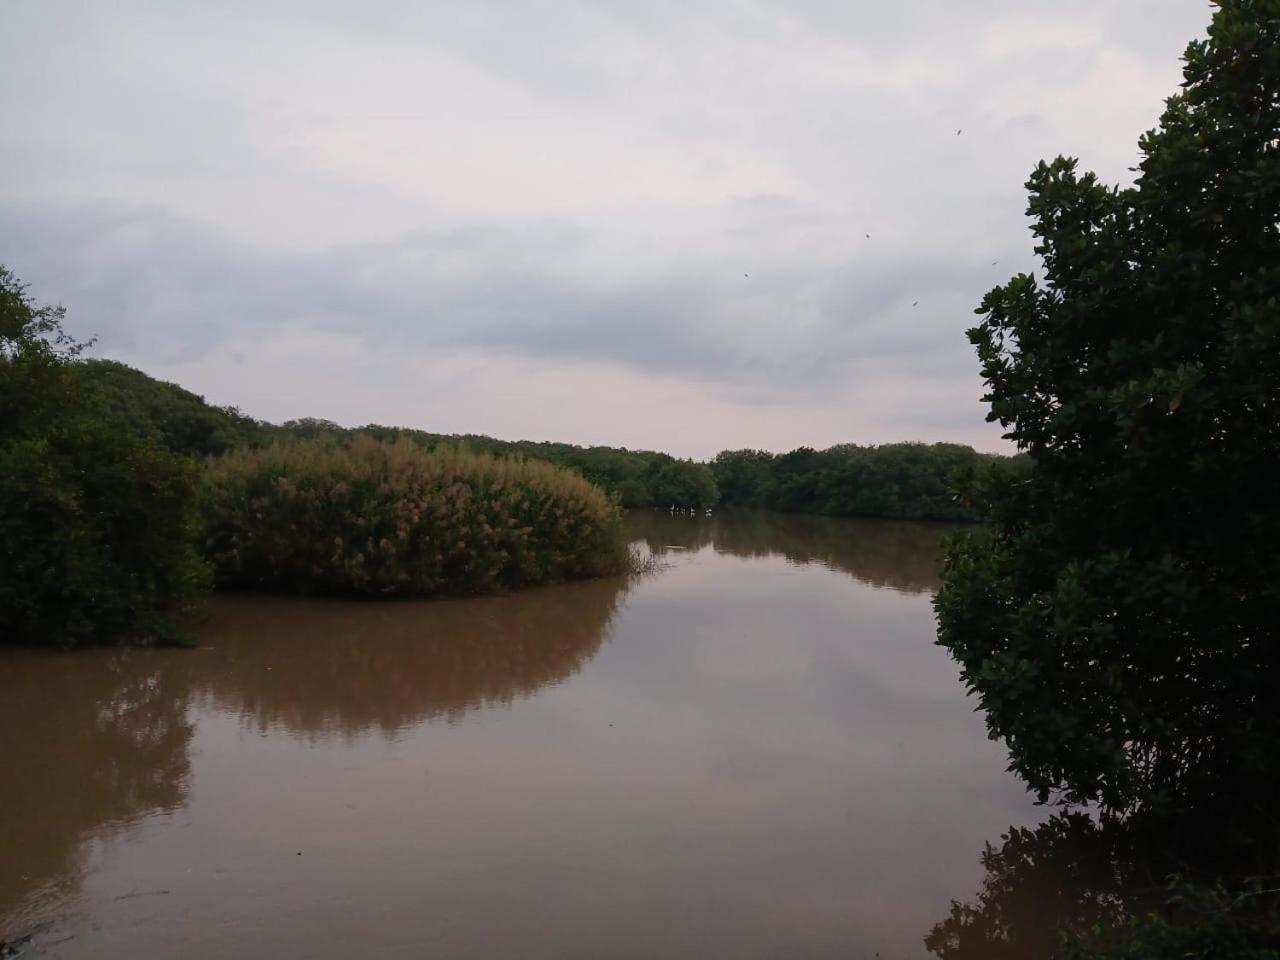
[97, 521]
[1191, 921]
[367, 518]
[1122, 628]
[182, 421]
[907, 481]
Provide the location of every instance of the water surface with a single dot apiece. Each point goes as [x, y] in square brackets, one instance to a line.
[756, 752]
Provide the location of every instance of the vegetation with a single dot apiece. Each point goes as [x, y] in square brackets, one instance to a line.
[910, 481]
[1121, 626]
[638, 478]
[97, 520]
[369, 518]
[180, 420]
[104, 472]
[905, 481]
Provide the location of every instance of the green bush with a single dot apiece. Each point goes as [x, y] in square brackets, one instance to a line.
[366, 518]
[97, 521]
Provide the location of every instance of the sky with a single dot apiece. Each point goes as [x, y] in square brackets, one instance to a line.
[663, 225]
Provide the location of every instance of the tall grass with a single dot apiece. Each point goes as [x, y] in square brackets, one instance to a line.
[383, 519]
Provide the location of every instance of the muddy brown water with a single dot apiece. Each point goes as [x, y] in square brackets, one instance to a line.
[756, 752]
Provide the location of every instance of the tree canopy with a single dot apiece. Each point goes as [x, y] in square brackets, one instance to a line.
[97, 519]
[908, 481]
[181, 420]
[1122, 625]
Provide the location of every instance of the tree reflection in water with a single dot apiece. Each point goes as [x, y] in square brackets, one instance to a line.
[92, 742]
[883, 553]
[103, 738]
[1140, 887]
[99, 739]
[321, 667]
[1066, 873]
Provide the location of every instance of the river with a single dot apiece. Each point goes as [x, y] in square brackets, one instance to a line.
[756, 751]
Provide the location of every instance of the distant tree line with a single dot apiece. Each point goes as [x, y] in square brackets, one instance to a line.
[184, 423]
[904, 481]
[908, 481]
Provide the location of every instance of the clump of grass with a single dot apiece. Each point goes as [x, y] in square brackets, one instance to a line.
[367, 518]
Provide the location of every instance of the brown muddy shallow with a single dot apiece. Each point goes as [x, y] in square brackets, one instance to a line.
[757, 752]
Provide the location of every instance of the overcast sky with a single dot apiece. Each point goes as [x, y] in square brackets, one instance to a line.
[633, 223]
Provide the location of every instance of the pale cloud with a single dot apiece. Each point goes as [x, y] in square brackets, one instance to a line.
[637, 224]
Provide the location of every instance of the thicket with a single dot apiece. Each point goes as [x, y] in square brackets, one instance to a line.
[372, 518]
[97, 519]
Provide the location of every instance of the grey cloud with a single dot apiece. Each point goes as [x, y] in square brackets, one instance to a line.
[184, 176]
[158, 285]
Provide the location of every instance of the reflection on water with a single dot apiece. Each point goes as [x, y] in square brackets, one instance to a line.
[884, 553]
[768, 758]
[349, 666]
[1067, 873]
[88, 745]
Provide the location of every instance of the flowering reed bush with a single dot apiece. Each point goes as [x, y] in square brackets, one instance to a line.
[384, 519]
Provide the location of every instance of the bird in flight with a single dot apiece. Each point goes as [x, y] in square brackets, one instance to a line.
[995, 263]
[960, 131]
[915, 303]
[868, 236]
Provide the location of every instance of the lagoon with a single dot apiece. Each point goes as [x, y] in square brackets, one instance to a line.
[756, 751]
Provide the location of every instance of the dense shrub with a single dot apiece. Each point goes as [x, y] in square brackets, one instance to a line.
[97, 520]
[367, 518]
